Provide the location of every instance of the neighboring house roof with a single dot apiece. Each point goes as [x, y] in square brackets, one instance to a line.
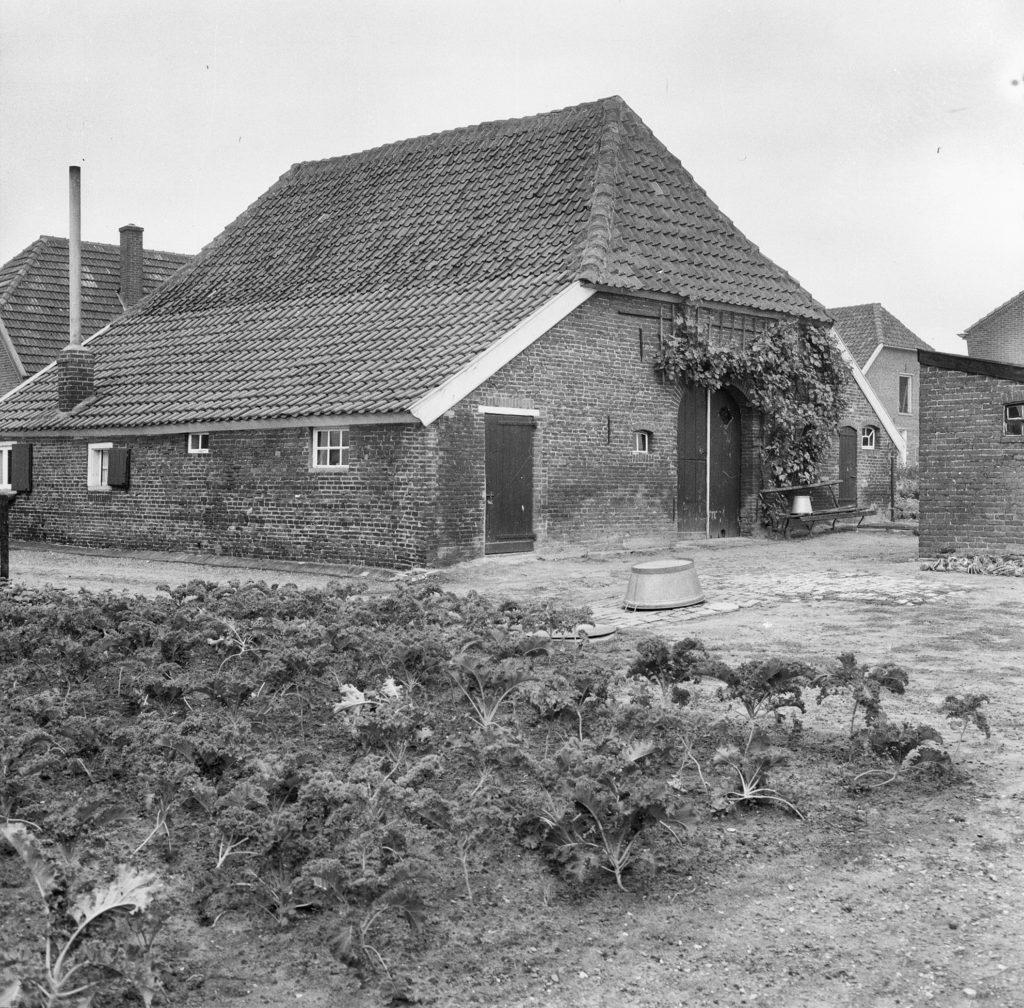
[1016, 301]
[34, 293]
[359, 284]
[864, 328]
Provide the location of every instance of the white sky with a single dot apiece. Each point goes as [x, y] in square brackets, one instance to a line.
[875, 150]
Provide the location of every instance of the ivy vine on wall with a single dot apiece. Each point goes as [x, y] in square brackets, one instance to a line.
[791, 372]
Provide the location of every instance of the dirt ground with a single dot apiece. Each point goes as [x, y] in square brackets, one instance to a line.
[904, 896]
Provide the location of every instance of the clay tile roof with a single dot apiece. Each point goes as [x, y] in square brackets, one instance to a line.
[34, 293]
[864, 327]
[360, 283]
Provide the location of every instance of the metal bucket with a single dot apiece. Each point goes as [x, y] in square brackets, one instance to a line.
[663, 584]
[801, 504]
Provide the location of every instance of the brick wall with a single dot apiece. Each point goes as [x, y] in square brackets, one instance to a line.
[884, 377]
[254, 494]
[1001, 336]
[593, 388]
[972, 474]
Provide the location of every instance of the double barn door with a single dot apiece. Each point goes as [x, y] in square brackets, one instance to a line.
[709, 463]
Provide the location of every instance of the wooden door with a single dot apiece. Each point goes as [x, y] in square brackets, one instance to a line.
[724, 463]
[508, 453]
[692, 436]
[847, 466]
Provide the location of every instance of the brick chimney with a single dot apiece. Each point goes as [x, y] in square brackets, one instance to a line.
[131, 265]
[74, 362]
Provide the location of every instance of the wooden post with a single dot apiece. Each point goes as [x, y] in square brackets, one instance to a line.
[892, 487]
[7, 499]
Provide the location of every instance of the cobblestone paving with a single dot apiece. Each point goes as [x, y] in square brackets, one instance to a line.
[724, 595]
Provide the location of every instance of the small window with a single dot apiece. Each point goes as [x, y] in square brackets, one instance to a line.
[199, 444]
[868, 437]
[905, 385]
[330, 448]
[1013, 420]
[99, 466]
[6, 451]
[642, 442]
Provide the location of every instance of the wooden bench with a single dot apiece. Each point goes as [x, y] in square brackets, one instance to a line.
[777, 503]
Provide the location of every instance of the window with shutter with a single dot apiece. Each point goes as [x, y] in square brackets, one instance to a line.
[120, 468]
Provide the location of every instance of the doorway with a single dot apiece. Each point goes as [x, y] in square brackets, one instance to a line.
[709, 463]
[508, 471]
[847, 466]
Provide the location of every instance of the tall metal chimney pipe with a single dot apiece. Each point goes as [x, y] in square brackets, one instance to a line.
[75, 257]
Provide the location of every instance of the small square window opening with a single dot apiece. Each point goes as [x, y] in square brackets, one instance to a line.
[199, 444]
[98, 474]
[330, 448]
[642, 442]
[1013, 419]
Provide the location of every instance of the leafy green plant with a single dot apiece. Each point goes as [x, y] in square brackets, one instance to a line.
[601, 824]
[864, 686]
[769, 684]
[71, 915]
[907, 748]
[487, 685]
[966, 709]
[750, 764]
[670, 666]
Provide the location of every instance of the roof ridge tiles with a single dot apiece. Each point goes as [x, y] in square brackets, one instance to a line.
[600, 227]
[426, 140]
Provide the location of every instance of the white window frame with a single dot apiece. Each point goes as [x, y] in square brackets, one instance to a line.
[6, 454]
[868, 438]
[195, 443]
[909, 379]
[323, 446]
[641, 442]
[1012, 413]
[99, 466]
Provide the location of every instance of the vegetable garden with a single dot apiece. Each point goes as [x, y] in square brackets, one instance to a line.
[352, 782]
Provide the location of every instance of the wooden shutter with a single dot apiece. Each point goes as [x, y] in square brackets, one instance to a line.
[21, 468]
[119, 469]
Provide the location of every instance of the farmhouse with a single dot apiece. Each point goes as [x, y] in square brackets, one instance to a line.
[34, 295]
[972, 455]
[428, 351]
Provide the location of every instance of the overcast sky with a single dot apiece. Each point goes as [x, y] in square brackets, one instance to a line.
[875, 150]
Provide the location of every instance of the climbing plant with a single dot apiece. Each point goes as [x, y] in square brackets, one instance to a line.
[791, 372]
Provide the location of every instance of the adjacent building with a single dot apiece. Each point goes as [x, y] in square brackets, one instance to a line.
[999, 335]
[34, 295]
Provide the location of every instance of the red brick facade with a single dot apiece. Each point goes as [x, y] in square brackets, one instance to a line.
[873, 464]
[972, 472]
[885, 372]
[415, 495]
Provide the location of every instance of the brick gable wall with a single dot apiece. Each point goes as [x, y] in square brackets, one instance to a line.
[1000, 337]
[593, 390]
[972, 474]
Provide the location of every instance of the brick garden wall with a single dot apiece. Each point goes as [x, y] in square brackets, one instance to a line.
[255, 494]
[972, 474]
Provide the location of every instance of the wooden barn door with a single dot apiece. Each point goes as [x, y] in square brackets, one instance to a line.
[692, 435]
[508, 453]
[847, 466]
[724, 463]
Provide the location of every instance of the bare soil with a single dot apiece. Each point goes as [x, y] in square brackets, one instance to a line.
[906, 895]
